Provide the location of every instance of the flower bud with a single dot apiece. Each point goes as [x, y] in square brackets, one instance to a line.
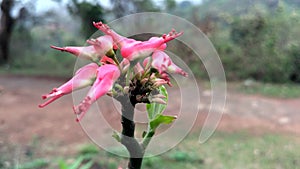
[158, 100]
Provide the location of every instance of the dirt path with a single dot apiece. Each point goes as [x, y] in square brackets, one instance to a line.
[21, 119]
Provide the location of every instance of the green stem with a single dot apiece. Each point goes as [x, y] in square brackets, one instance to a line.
[147, 138]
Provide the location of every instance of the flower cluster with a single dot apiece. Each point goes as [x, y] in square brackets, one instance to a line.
[108, 75]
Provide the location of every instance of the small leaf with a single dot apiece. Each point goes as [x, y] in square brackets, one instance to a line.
[144, 134]
[88, 149]
[87, 165]
[161, 119]
[154, 109]
[77, 163]
[38, 163]
[116, 136]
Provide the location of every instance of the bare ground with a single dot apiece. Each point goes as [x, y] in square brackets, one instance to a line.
[21, 120]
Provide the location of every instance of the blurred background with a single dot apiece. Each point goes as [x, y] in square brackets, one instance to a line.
[257, 41]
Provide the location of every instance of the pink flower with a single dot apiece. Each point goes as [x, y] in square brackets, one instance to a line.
[97, 49]
[83, 77]
[163, 63]
[106, 76]
[132, 49]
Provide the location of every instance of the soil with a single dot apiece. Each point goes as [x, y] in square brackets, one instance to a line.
[21, 120]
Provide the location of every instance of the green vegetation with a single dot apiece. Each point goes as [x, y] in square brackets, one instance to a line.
[223, 150]
[269, 89]
[255, 39]
[34, 164]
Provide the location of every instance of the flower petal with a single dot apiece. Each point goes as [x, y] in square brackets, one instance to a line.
[84, 77]
[162, 62]
[132, 49]
[106, 76]
[97, 48]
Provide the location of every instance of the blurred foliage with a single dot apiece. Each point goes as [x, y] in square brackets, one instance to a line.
[88, 13]
[255, 39]
[268, 89]
[122, 8]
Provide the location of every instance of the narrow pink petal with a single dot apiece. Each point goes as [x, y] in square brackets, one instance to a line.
[50, 100]
[106, 76]
[97, 48]
[86, 52]
[175, 69]
[138, 49]
[132, 49]
[162, 47]
[102, 44]
[171, 35]
[73, 50]
[83, 77]
[161, 61]
[106, 30]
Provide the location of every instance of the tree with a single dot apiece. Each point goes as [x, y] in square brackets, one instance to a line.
[87, 12]
[170, 5]
[122, 8]
[6, 27]
[145, 6]
[126, 7]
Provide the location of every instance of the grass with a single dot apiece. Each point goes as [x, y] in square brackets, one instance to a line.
[223, 150]
[237, 150]
[288, 90]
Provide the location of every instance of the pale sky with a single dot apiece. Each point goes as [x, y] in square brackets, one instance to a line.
[43, 5]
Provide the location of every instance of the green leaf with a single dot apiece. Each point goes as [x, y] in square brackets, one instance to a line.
[116, 136]
[62, 164]
[87, 165]
[144, 134]
[35, 164]
[77, 163]
[155, 109]
[161, 119]
[88, 149]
